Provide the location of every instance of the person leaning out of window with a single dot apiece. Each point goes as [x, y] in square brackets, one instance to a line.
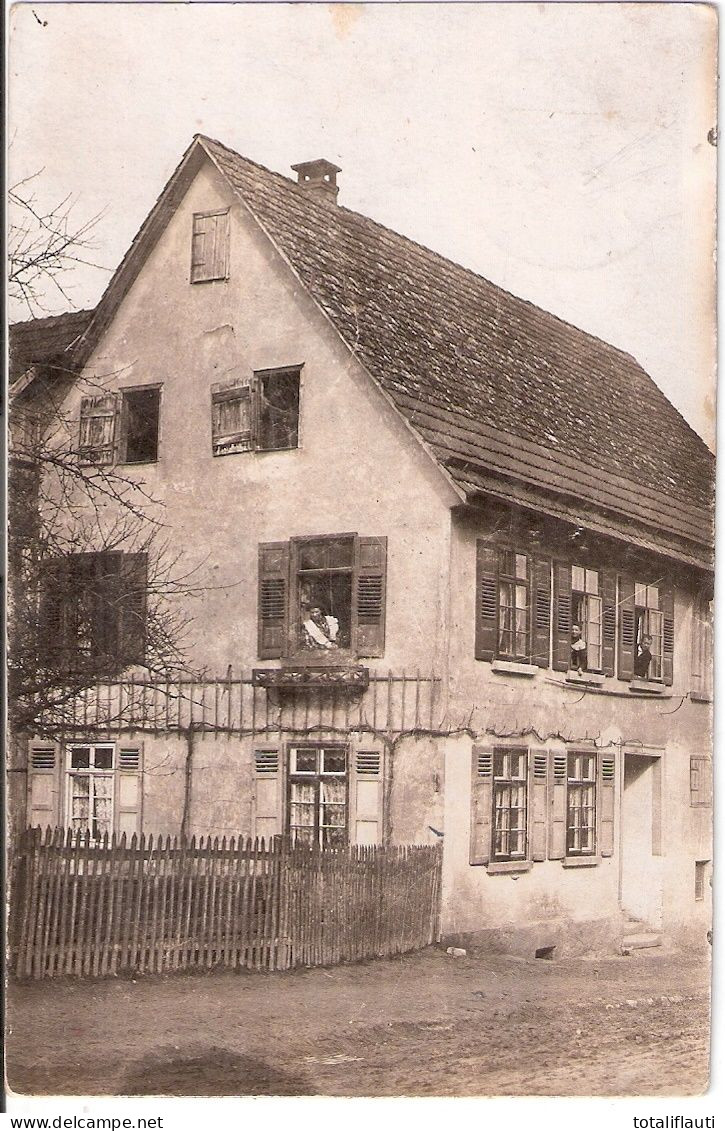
[578, 650]
[643, 657]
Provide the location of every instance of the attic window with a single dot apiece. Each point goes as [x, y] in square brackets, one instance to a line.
[210, 246]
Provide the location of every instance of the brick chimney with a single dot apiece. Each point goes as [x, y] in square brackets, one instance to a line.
[319, 178]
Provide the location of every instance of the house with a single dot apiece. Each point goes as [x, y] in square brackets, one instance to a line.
[455, 568]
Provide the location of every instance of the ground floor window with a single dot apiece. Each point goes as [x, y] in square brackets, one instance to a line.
[509, 804]
[318, 796]
[581, 804]
[90, 793]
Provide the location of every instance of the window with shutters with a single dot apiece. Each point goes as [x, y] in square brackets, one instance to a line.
[322, 598]
[317, 809]
[586, 614]
[120, 427]
[90, 792]
[93, 611]
[210, 246]
[259, 413]
[509, 803]
[513, 605]
[581, 804]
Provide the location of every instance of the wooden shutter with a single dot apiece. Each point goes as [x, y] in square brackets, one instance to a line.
[233, 416]
[557, 805]
[609, 619]
[267, 793]
[370, 595]
[272, 599]
[606, 786]
[700, 780]
[625, 666]
[538, 774]
[133, 583]
[540, 611]
[210, 246]
[481, 804]
[667, 599]
[51, 614]
[43, 807]
[486, 600]
[368, 797]
[562, 617]
[98, 428]
[128, 817]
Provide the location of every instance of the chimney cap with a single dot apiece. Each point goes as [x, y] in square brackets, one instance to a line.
[315, 170]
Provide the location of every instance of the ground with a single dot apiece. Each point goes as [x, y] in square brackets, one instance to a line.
[422, 1024]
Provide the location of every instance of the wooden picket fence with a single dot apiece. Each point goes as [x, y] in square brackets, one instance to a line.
[96, 908]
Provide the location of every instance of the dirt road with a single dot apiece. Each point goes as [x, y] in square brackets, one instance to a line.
[423, 1024]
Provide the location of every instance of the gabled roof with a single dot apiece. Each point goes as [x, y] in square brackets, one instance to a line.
[498, 390]
[42, 341]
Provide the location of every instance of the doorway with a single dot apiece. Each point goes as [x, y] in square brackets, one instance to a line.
[641, 838]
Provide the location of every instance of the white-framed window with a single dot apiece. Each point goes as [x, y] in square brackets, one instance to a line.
[586, 614]
[90, 788]
[648, 631]
[513, 605]
[510, 773]
[317, 806]
[581, 812]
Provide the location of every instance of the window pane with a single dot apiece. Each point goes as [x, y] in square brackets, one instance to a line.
[279, 396]
[80, 758]
[103, 758]
[640, 594]
[304, 761]
[577, 579]
[506, 563]
[653, 597]
[521, 565]
[334, 762]
[141, 411]
[325, 603]
[592, 581]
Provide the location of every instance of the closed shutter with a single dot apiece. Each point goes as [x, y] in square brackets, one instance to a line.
[607, 768]
[540, 611]
[700, 780]
[368, 795]
[370, 583]
[625, 666]
[98, 428]
[609, 619]
[272, 599]
[267, 794]
[481, 804]
[486, 600]
[562, 617]
[132, 608]
[538, 770]
[210, 246]
[129, 790]
[668, 634]
[43, 784]
[557, 805]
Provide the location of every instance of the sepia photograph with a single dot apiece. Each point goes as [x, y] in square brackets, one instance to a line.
[360, 549]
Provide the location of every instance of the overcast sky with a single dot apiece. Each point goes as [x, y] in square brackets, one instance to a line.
[560, 150]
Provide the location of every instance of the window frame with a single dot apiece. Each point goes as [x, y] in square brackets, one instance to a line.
[123, 415]
[316, 777]
[577, 785]
[642, 615]
[515, 582]
[218, 273]
[582, 597]
[500, 783]
[91, 773]
[296, 650]
[250, 389]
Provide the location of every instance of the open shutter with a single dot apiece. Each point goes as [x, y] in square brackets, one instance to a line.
[562, 617]
[220, 246]
[132, 608]
[607, 767]
[370, 581]
[43, 784]
[267, 794]
[538, 774]
[481, 804]
[232, 416]
[557, 805]
[609, 619]
[129, 790]
[486, 600]
[51, 619]
[540, 611]
[368, 794]
[272, 599]
[625, 666]
[98, 428]
[668, 634]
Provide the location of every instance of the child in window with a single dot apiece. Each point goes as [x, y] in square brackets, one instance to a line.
[643, 657]
[578, 650]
